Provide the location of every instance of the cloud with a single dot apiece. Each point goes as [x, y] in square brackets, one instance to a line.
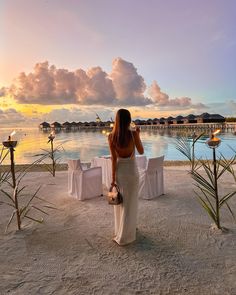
[227, 108]
[3, 91]
[232, 105]
[48, 85]
[162, 99]
[45, 85]
[123, 86]
[77, 114]
[11, 117]
[129, 86]
[98, 88]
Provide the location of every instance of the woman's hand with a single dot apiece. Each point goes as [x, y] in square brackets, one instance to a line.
[113, 183]
[137, 128]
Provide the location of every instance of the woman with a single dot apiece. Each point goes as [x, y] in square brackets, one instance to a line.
[122, 142]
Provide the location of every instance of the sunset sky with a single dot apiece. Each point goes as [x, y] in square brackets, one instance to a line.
[65, 60]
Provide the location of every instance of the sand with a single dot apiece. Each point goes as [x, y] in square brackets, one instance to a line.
[176, 252]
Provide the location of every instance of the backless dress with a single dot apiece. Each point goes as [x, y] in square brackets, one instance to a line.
[126, 213]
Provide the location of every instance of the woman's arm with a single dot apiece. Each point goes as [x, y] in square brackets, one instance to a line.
[113, 160]
[137, 141]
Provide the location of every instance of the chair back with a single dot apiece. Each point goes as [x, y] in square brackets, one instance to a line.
[74, 165]
[155, 164]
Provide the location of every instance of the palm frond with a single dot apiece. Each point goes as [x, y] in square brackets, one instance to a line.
[34, 219]
[183, 146]
[10, 220]
[230, 210]
[207, 208]
[226, 198]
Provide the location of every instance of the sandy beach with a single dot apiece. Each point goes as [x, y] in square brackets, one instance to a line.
[176, 252]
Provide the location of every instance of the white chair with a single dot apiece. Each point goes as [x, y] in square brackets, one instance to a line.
[151, 179]
[84, 184]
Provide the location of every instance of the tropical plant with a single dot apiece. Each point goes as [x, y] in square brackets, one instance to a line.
[4, 174]
[208, 186]
[208, 181]
[16, 196]
[54, 154]
[187, 148]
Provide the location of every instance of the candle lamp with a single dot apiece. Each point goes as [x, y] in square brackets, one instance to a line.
[213, 142]
[51, 136]
[10, 143]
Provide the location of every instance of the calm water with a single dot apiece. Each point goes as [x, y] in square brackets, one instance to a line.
[88, 144]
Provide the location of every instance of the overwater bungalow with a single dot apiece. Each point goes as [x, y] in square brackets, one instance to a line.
[56, 126]
[162, 121]
[149, 122]
[44, 126]
[66, 126]
[191, 119]
[156, 121]
[137, 121]
[74, 126]
[216, 118]
[93, 124]
[179, 120]
[170, 120]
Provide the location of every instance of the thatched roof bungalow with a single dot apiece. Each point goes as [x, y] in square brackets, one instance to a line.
[149, 122]
[156, 121]
[216, 118]
[66, 126]
[44, 125]
[162, 121]
[55, 125]
[179, 120]
[191, 119]
[170, 120]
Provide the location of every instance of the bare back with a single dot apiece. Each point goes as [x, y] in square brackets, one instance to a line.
[129, 150]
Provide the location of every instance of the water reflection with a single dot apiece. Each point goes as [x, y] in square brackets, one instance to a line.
[87, 144]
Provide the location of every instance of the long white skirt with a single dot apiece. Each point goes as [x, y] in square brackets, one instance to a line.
[126, 213]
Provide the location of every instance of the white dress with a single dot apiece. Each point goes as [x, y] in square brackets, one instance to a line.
[126, 213]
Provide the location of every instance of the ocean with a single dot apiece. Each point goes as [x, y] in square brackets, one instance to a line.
[86, 144]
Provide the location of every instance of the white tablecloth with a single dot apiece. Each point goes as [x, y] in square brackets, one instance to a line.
[105, 163]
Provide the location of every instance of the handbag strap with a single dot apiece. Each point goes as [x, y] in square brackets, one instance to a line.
[116, 186]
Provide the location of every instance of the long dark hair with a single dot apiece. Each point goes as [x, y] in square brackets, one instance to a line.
[121, 134]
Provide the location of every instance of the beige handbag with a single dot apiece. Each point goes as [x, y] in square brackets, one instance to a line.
[114, 197]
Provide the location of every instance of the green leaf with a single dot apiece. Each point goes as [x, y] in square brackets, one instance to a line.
[226, 198]
[39, 209]
[230, 210]
[207, 208]
[10, 220]
[202, 182]
[208, 201]
[34, 219]
[8, 195]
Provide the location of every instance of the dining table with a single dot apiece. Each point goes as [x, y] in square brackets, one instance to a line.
[105, 163]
